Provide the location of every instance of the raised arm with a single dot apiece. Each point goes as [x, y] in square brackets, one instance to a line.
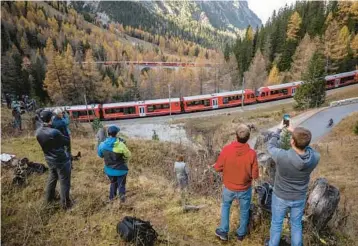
[273, 146]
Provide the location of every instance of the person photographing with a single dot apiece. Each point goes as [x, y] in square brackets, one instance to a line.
[293, 169]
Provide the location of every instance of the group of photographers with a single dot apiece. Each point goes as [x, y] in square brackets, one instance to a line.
[237, 162]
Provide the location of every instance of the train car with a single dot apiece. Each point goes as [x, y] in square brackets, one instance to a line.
[160, 107]
[120, 110]
[199, 103]
[234, 98]
[274, 92]
[341, 79]
[83, 113]
[141, 109]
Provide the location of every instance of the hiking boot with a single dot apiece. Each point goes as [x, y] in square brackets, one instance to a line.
[267, 241]
[240, 238]
[122, 199]
[222, 235]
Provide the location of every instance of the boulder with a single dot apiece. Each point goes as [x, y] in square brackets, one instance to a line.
[322, 203]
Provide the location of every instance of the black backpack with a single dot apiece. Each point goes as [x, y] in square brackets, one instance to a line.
[264, 193]
[137, 231]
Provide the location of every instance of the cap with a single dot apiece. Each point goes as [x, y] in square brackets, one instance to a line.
[46, 116]
[113, 129]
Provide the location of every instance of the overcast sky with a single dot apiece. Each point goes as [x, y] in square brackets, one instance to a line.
[264, 8]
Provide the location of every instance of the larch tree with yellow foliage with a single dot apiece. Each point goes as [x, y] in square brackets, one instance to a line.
[293, 26]
[274, 77]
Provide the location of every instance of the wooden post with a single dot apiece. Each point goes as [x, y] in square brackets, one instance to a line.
[87, 108]
[243, 93]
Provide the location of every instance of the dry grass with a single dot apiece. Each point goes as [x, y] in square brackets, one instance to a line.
[347, 92]
[339, 164]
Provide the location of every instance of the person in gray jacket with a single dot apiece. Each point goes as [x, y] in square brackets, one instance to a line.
[293, 169]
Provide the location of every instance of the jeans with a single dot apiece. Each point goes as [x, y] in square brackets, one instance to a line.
[117, 182]
[244, 198]
[279, 209]
[62, 173]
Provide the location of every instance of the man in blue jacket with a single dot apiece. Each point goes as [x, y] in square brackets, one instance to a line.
[293, 169]
[61, 122]
[116, 156]
[53, 143]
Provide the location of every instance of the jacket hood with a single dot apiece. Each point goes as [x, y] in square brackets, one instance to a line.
[240, 148]
[304, 161]
[110, 141]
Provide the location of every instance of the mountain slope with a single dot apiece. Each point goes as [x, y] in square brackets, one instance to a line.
[211, 24]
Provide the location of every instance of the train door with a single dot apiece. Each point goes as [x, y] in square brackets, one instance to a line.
[141, 111]
[336, 82]
[293, 91]
[214, 102]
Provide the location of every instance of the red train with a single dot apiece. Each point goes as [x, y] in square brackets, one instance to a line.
[125, 110]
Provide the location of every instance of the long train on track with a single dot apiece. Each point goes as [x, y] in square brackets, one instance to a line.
[148, 108]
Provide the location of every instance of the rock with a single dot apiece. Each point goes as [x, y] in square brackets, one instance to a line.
[267, 168]
[322, 203]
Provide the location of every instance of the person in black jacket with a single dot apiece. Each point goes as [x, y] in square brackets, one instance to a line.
[53, 143]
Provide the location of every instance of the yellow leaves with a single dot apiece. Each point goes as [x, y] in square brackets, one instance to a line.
[52, 22]
[249, 33]
[294, 26]
[354, 46]
[344, 35]
[273, 78]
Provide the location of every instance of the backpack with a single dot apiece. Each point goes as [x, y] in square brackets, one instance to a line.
[264, 193]
[137, 231]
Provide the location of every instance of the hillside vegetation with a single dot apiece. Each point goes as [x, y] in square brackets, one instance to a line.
[280, 50]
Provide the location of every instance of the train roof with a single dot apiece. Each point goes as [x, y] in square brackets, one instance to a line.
[229, 93]
[81, 107]
[147, 102]
[198, 97]
[335, 76]
[281, 86]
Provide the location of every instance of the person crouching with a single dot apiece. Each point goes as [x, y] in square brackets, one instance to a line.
[116, 156]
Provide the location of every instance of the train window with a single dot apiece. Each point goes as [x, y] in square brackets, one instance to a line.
[252, 96]
[285, 91]
[206, 102]
[165, 106]
[77, 114]
[343, 80]
[225, 100]
[248, 96]
[129, 110]
[263, 94]
[150, 108]
[266, 93]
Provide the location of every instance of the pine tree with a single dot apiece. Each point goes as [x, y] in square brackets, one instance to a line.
[312, 92]
[293, 26]
[227, 52]
[273, 78]
[257, 75]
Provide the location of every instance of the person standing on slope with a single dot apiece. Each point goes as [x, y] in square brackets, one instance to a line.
[293, 170]
[53, 143]
[116, 156]
[238, 163]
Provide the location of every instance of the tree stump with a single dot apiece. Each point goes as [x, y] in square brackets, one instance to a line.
[322, 202]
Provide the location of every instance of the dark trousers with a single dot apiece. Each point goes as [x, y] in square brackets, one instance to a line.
[62, 173]
[117, 183]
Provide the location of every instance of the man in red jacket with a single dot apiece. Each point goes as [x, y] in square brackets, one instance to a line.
[238, 163]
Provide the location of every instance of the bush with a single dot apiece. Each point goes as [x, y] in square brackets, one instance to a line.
[355, 130]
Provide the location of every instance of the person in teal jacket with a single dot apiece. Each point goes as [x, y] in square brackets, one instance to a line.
[116, 155]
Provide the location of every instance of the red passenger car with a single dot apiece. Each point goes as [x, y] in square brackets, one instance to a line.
[83, 113]
[233, 98]
[140, 109]
[274, 92]
[341, 79]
